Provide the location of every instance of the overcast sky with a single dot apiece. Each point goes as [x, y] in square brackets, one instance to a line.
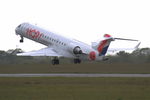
[85, 20]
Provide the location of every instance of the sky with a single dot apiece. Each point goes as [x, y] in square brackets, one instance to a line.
[84, 20]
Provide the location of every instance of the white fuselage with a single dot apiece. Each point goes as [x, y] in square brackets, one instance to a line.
[60, 44]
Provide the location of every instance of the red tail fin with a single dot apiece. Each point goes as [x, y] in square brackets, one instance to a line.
[103, 45]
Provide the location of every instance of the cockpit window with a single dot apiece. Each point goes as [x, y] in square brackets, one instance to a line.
[19, 26]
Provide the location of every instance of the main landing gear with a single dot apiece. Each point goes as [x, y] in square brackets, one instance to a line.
[21, 40]
[77, 61]
[55, 61]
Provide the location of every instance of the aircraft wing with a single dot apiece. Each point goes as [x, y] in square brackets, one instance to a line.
[41, 52]
[123, 49]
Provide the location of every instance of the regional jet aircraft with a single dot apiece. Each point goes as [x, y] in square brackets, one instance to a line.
[62, 47]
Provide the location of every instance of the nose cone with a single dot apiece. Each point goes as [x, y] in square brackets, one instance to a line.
[17, 29]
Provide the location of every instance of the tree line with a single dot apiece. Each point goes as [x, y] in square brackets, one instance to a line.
[138, 56]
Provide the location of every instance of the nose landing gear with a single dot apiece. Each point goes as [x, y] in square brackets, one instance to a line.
[21, 40]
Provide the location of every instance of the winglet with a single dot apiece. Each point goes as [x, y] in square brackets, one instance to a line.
[137, 46]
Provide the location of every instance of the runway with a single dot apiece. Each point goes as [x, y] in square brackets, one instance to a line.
[74, 75]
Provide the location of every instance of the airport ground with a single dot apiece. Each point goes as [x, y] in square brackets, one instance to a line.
[62, 88]
[131, 68]
[75, 88]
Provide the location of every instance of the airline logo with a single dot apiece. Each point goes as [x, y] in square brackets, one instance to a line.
[92, 55]
[103, 46]
[33, 33]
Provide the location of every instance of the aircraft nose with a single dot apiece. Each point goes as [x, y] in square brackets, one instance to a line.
[17, 29]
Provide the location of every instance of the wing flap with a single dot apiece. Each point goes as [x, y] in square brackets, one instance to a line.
[42, 52]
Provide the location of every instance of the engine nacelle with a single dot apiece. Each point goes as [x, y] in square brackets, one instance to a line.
[75, 49]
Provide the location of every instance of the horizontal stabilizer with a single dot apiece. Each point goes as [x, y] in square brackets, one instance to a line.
[125, 39]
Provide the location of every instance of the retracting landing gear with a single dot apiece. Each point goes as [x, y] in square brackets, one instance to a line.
[77, 61]
[55, 61]
[21, 40]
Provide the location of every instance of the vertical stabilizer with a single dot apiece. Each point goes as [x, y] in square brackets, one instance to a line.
[103, 45]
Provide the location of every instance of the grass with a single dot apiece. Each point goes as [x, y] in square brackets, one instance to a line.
[60, 88]
[77, 68]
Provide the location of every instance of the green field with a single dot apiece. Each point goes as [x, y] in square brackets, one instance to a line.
[60, 88]
[77, 68]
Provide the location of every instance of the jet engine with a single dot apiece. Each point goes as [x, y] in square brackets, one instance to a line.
[75, 49]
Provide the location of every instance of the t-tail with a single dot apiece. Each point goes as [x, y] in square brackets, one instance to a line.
[103, 45]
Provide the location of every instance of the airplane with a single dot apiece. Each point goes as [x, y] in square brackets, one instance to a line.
[62, 47]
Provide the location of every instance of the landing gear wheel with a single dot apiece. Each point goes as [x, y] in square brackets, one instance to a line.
[77, 61]
[55, 62]
[21, 40]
